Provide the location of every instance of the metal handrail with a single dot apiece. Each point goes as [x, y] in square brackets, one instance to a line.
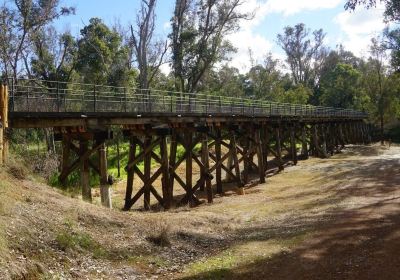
[32, 95]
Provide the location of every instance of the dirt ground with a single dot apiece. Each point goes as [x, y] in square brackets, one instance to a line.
[334, 218]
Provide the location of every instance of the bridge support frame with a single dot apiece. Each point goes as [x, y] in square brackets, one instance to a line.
[243, 151]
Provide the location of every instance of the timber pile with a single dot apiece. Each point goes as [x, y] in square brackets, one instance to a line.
[4, 123]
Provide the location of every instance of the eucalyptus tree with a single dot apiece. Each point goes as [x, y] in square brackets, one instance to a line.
[304, 53]
[341, 87]
[382, 87]
[198, 37]
[53, 55]
[102, 58]
[19, 20]
[149, 53]
[392, 7]
[265, 80]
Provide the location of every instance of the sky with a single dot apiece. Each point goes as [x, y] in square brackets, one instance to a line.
[353, 30]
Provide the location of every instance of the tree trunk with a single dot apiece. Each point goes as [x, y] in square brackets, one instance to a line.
[382, 139]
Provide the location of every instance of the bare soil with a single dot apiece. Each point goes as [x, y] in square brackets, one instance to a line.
[334, 218]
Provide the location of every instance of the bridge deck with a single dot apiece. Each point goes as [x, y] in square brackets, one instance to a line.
[35, 103]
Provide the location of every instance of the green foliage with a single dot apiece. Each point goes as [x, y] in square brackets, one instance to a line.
[392, 43]
[341, 86]
[227, 81]
[298, 95]
[54, 55]
[392, 7]
[303, 54]
[71, 239]
[198, 36]
[102, 58]
[393, 134]
[265, 81]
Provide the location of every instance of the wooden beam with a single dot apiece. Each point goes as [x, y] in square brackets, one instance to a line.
[165, 173]
[236, 161]
[189, 166]
[278, 148]
[85, 186]
[260, 155]
[207, 176]
[172, 162]
[304, 148]
[148, 146]
[293, 149]
[65, 157]
[147, 150]
[218, 159]
[265, 143]
[105, 191]
[130, 175]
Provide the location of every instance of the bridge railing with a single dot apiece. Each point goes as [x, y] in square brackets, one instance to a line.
[28, 95]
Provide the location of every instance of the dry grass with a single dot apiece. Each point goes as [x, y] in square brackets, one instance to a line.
[159, 233]
[229, 239]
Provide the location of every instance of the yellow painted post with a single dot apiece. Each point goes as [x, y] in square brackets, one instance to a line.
[2, 89]
[5, 106]
[4, 120]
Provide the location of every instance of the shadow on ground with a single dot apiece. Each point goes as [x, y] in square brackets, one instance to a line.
[360, 240]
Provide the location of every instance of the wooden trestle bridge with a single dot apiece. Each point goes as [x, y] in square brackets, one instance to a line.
[227, 136]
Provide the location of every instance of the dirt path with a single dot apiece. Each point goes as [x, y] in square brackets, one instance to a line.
[322, 219]
[343, 222]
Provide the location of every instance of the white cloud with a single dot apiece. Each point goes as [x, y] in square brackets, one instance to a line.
[291, 7]
[244, 40]
[359, 27]
[247, 37]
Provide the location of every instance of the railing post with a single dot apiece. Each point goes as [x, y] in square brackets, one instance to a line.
[207, 104]
[12, 93]
[27, 98]
[58, 96]
[220, 105]
[125, 99]
[149, 105]
[94, 98]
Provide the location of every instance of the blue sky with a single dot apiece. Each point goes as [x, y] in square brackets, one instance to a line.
[353, 30]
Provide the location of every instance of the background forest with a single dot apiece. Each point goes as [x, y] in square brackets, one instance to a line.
[197, 52]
